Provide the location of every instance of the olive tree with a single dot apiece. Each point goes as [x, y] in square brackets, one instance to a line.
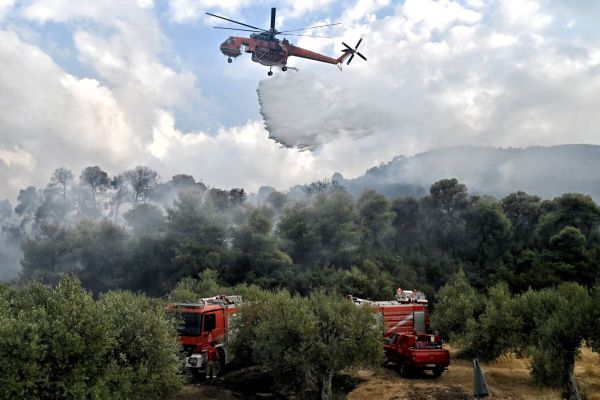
[58, 343]
[548, 326]
[307, 339]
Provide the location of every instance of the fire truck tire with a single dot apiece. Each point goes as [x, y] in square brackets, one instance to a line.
[437, 372]
[222, 361]
[405, 370]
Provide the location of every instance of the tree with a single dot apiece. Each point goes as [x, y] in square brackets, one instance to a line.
[259, 260]
[568, 257]
[98, 182]
[449, 200]
[237, 197]
[62, 178]
[375, 216]
[145, 219]
[523, 211]
[335, 215]
[457, 304]
[297, 338]
[121, 193]
[406, 222]
[367, 282]
[278, 200]
[548, 326]
[28, 203]
[346, 337]
[49, 253]
[487, 223]
[193, 218]
[322, 185]
[219, 198]
[296, 228]
[548, 317]
[571, 209]
[58, 343]
[101, 250]
[142, 180]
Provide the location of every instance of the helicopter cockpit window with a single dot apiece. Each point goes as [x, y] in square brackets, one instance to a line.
[228, 42]
[232, 41]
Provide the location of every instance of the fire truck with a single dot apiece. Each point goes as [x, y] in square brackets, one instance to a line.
[409, 312]
[201, 324]
[409, 343]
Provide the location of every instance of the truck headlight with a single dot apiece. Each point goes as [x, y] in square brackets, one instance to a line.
[193, 360]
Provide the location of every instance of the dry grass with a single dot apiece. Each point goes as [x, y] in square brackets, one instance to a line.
[507, 378]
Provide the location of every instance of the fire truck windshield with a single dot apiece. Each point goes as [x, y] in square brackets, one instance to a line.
[189, 324]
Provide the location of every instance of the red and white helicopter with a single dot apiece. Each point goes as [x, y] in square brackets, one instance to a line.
[271, 52]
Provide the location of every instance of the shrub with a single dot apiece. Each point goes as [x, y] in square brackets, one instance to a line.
[58, 343]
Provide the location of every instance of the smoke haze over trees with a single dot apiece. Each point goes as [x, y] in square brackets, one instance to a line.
[545, 171]
[133, 231]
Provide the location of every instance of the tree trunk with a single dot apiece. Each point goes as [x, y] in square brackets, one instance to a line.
[326, 392]
[117, 211]
[571, 386]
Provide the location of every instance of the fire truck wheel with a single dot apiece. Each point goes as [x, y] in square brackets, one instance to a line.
[405, 371]
[437, 372]
[222, 361]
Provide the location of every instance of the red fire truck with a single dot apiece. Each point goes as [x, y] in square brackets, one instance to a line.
[201, 324]
[410, 343]
[409, 312]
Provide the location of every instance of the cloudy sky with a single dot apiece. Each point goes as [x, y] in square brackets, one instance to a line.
[119, 83]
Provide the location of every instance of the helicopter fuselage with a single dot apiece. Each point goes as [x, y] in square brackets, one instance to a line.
[272, 52]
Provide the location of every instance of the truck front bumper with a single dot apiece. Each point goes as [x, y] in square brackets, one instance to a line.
[195, 361]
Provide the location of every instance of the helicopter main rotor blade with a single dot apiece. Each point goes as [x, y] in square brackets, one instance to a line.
[273, 12]
[358, 44]
[361, 56]
[291, 34]
[312, 27]
[349, 48]
[351, 57]
[237, 29]
[235, 22]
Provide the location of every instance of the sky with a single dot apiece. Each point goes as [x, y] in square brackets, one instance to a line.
[120, 83]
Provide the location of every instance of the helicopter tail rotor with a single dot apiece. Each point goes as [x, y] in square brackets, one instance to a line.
[353, 51]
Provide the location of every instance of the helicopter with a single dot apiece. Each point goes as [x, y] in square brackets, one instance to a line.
[269, 51]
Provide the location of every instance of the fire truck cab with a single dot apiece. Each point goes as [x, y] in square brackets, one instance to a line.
[201, 324]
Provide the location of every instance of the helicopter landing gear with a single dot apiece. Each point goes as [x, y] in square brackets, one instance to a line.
[229, 60]
[270, 73]
[284, 69]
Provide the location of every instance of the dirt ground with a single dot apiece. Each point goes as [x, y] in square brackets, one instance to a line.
[507, 378]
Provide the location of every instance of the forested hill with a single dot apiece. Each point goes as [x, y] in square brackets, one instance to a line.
[545, 171]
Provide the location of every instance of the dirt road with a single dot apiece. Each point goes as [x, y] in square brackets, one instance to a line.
[507, 378]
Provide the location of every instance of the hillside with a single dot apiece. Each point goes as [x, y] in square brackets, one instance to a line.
[544, 171]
